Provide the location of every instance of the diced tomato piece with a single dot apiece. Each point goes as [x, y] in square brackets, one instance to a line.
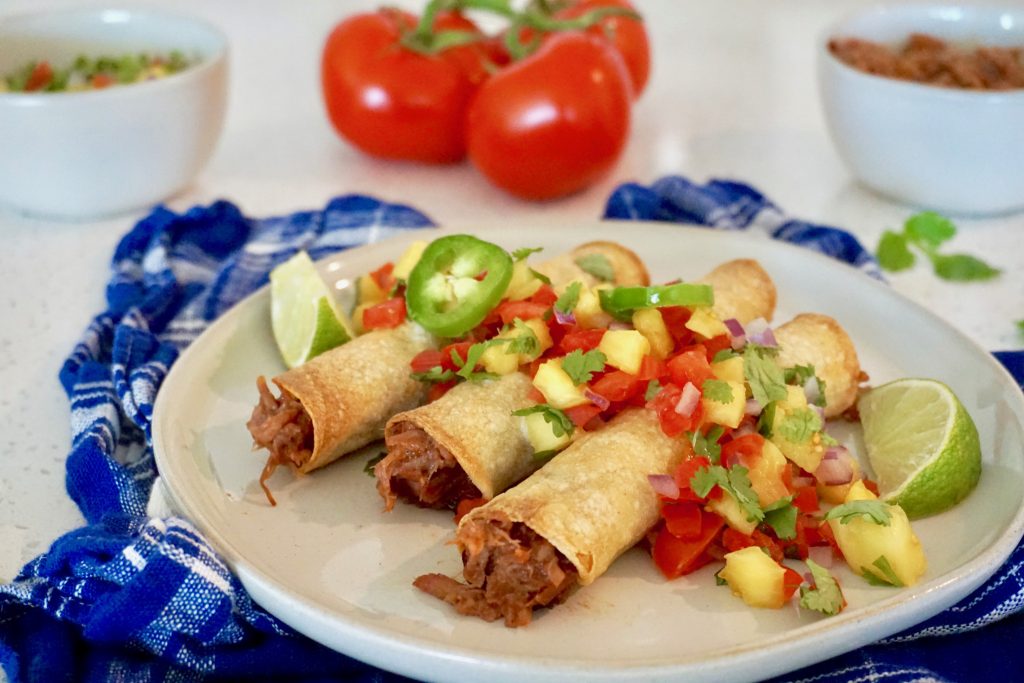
[618, 386]
[675, 557]
[825, 532]
[672, 423]
[871, 486]
[745, 450]
[383, 276]
[461, 349]
[466, 505]
[652, 368]
[791, 580]
[734, 540]
[438, 390]
[40, 77]
[100, 81]
[580, 415]
[585, 340]
[806, 499]
[675, 318]
[508, 311]
[690, 366]
[715, 344]
[545, 296]
[387, 314]
[684, 473]
[427, 359]
[683, 520]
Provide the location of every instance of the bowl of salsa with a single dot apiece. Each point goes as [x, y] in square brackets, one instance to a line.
[105, 111]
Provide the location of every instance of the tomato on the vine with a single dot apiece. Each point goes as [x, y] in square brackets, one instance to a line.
[554, 122]
[627, 34]
[392, 101]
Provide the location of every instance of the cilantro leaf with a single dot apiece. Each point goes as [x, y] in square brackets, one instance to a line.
[798, 374]
[520, 254]
[766, 420]
[372, 462]
[467, 369]
[559, 421]
[765, 377]
[928, 230]
[540, 276]
[962, 268]
[799, 426]
[733, 481]
[567, 301]
[875, 510]
[724, 354]
[434, 375]
[707, 444]
[717, 390]
[892, 253]
[525, 342]
[653, 387]
[580, 366]
[781, 517]
[826, 596]
[888, 577]
[597, 265]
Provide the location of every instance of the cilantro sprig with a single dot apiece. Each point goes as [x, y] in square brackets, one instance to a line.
[826, 596]
[926, 232]
[717, 390]
[597, 265]
[875, 510]
[581, 366]
[522, 254]
[733, 481]
[799, 425]
[766, 379]
[569, 298]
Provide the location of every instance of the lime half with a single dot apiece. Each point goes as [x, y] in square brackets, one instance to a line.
[922, 445]
[305, 318]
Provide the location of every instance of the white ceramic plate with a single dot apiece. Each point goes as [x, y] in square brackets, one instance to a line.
[329, 562]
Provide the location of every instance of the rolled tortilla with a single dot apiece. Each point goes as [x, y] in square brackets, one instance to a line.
[467, 444]
[627, 267]
[340, 400]
[818, 340]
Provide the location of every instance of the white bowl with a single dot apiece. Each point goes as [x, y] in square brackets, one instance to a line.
[953, 151]
[101, 152]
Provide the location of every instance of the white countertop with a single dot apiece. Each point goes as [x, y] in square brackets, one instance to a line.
[732, 95]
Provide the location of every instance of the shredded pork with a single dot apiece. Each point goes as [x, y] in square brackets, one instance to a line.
[282, 426]
[509, 570]
[421, 471]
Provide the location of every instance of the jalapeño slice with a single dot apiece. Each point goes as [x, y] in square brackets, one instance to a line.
[622, 301]
[456, 282]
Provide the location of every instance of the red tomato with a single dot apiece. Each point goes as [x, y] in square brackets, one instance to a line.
[734, 540]
[745, 450]
[627, 35]
[672, 423]
[619, 386]
[651, 368]
[556, 121]
[545, 295]
[438, 390]
[690, 366]
[790, 582]
[461, 349]
[715, 344]
[806, 499]
[383, 277]
[684, 473]
[676, 557]
[42, 74]
[390, 101]
[581, 415]
[390, 313]
[425, 360]
[675, 318]
[524, 310]
[683, 520]
[585, 340]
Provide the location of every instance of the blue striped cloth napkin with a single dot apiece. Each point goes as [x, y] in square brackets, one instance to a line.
[132, 597]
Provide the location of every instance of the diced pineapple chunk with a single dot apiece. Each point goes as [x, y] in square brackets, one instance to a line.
[766, 475]
[558, 388]
[523, 284]
[731, 369]
[541, 434]
[648, 322]
[499, 361]
[543, 334]
[796, 399]
[755, 577]
[369, 292]
[588, 311]
[624, 349]
[732, 513]
[408, 260]
[863, 542]
[807, 454]
[727, 414]
[705, 323]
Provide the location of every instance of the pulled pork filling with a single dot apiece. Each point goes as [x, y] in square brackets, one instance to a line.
[282, 426]
[509, 570]
[421, 471]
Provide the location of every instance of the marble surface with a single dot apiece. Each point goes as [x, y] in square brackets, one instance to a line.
[732, 95]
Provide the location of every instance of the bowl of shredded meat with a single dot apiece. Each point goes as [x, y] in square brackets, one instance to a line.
[925, 104]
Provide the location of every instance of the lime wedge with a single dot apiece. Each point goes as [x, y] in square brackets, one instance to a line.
[922, 445]
[305, 318]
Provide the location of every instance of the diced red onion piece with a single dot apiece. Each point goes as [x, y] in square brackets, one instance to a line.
[597, 399]
[688, 400]
[756, 326]
[811, 390]
[619, 325]
[802, 481]
[836, 467]
[564, 318]
[735, 328]
[753, 407]
[744, 429]
[822, 554]
[664, 485]
[765, 338]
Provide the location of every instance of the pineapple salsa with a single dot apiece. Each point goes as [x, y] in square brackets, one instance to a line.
[764, 481]
[86, 73]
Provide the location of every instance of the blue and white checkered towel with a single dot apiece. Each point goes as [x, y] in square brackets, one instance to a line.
[135, 598]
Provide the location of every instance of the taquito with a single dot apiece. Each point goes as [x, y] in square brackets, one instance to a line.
[338, 401]
[467, 444]
[564, 525]
[818, 340]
